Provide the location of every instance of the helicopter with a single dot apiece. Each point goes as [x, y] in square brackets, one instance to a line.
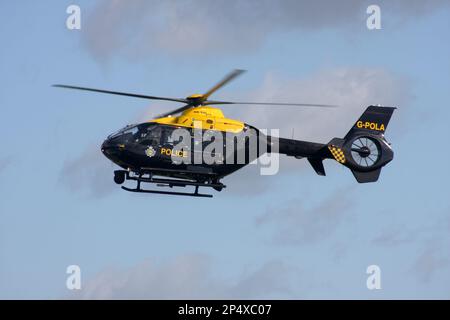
[151, 152]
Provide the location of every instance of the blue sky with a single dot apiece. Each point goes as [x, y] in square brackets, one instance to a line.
[292, 235]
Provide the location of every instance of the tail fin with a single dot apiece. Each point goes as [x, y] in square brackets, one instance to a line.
[373, 120]
[364, 150]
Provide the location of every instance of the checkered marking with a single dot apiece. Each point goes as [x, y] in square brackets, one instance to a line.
[337, 153]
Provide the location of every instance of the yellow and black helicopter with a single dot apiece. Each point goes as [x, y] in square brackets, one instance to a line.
[170, 150]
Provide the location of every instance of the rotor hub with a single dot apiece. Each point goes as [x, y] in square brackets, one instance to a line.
[364, 152]
[195, 99]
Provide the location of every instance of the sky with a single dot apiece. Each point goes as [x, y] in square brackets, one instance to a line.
[293, 235]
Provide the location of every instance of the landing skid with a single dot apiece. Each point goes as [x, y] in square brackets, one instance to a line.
[121, 175]
[194, 194]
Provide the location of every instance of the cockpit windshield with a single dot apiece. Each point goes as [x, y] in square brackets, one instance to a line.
[145, 133]
[131, 128]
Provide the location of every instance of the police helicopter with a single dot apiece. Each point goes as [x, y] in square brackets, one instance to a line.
[170, 150]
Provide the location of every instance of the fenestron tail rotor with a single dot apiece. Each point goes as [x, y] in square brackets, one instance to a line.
[197, 100]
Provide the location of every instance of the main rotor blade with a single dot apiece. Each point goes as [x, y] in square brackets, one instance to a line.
[212, 102]
[120, 93]
[170, 113]
[228, 78]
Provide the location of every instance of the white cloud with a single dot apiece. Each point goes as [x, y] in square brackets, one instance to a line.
[91, 173]
[431, 260]
[186, 277]
[138, 28]
[351, 88]
[297, 224]
[429, 240]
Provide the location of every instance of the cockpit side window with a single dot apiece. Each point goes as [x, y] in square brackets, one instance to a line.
[149, 135]
[132, 130]
[154, 134]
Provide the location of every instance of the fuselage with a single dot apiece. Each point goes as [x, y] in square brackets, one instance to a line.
[198, 144]
[151, 146]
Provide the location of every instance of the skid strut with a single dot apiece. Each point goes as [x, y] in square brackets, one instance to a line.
[166, 182]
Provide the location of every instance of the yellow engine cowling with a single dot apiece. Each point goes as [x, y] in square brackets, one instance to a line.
[210, 118]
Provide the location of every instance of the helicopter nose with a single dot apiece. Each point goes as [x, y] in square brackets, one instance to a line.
[105, 145]
[106, 148]
[110, 149]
